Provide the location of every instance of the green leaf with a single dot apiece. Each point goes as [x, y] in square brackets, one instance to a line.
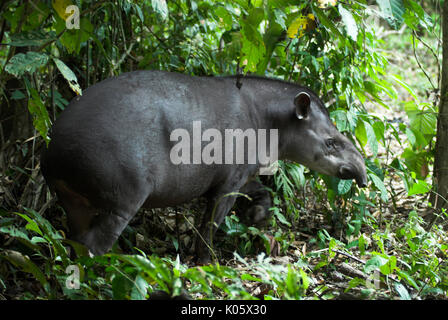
[252, 54]
[361, 134]
[402, 291]
[420, 187]
[31, 39]
[120, 286]
[280, 17]
[280, 217]
[408, 278]
[344, 186]
[253, 49]
[392, 11]
[160, 7]
[425, 122]
[31, 225]
[349, 22]
[416, 162]
[68, 75]
[25, 264]
[398, 79]
[139, 12]
[327, 23]
[380, 186]
[371, 138]
[29, 62]
[375, 263]
[41, 119]
[411, 136]
[362, 245]
[73, 38]
[225, 18]
[17, 95]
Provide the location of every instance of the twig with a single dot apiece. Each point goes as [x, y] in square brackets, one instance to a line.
[419, 64]
[349, 256]
[52, 40]
[123, 57]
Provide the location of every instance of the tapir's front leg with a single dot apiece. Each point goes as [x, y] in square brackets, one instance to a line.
[218, 205]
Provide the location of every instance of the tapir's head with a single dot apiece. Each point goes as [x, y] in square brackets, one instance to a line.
[311, 139]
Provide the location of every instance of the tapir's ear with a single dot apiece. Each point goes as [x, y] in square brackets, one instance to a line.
[302, 102]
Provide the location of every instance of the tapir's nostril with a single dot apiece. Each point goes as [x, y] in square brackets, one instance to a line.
[362, 184]
[348, 172]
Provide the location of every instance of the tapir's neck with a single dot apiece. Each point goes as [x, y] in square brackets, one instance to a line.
[272, 102]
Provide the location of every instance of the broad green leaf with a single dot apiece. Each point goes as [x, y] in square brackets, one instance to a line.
[416, 161]
[225, 18]
[371, 138]
[72, 39]
[392, 11]
[280, 17]
[31, 225]
[31, 39]
[17, 95]
[29, 62]
[409, 279]
[160, 7]
[299, 25]
[120, 286]
[411, 136]
[60, 7]
[362, 245]
[361, 134]
[378, 127]
[375, 263]
[380, 186]
[280, 217]
[425, 122]
[405, 86]
[139, 12]
[423, 119]
[25, 264]
[253, 49]
[349, 22]
[327, 23]
[41, 119]
[252, 54]
[420, 187]
[68, 75]
[344, 186]
[402, 291]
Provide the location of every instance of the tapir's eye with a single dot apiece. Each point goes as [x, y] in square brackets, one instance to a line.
[330, 143]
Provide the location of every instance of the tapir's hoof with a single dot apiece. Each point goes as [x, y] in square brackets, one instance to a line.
[204, 261]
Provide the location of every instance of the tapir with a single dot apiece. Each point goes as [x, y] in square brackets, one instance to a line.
[111, 149]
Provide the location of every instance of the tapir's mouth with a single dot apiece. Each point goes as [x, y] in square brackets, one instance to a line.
[349, 172]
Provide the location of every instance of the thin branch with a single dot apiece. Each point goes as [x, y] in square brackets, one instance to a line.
[433, 53]
[419, 64]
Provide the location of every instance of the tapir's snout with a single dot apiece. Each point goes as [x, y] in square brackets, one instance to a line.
[353, 172]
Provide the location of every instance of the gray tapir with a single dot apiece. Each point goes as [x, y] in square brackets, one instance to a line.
[111, 149]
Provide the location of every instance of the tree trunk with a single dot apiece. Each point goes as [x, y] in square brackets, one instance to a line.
[441, 151]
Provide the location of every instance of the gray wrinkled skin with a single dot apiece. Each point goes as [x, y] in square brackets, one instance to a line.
[109, 150]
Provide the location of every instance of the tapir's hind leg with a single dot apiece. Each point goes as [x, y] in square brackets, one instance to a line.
[97, 227]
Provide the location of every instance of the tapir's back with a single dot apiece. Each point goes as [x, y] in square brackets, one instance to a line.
[117, 134]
